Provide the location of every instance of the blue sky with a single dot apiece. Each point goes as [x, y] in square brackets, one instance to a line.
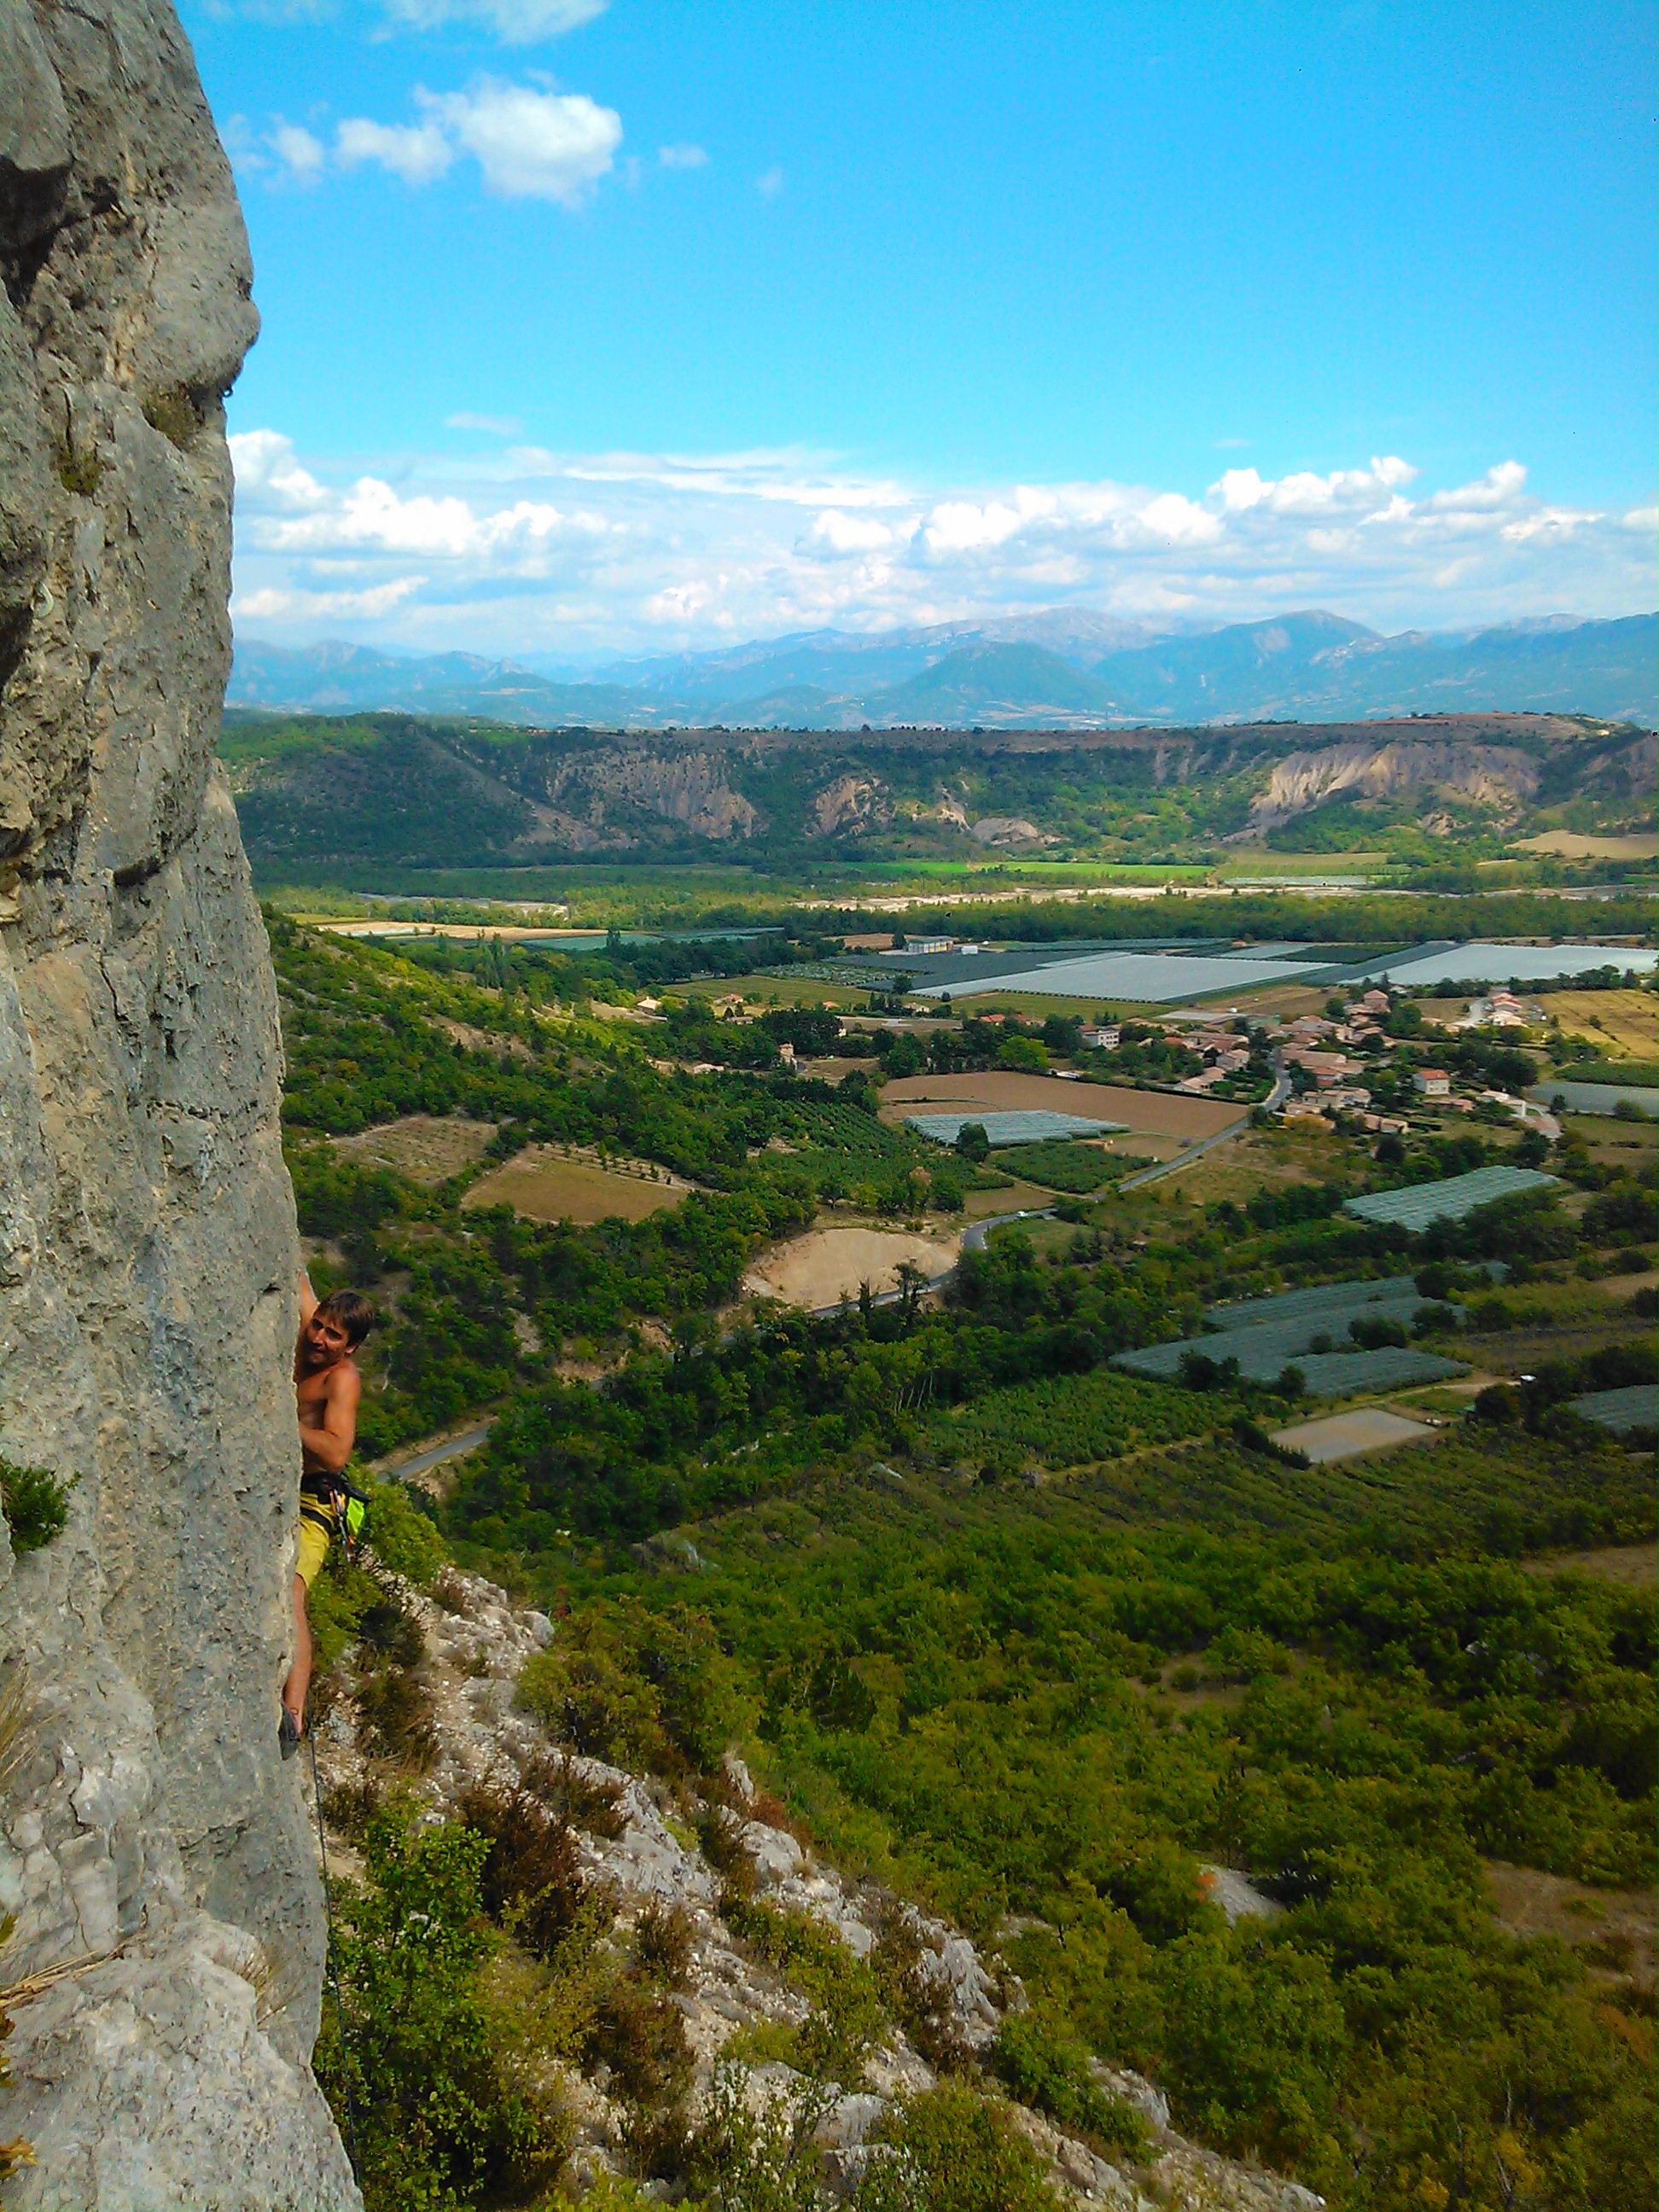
[613, 327]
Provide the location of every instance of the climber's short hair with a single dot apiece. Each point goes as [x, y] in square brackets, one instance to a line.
[352, 1310]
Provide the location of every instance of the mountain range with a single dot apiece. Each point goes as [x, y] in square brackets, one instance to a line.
[1058, 668]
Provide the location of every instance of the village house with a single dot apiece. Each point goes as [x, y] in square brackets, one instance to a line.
[1308, 1110]
[1325, 1067]
[1431, 1083]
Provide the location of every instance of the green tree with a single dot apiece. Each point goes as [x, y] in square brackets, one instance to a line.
[438, 2127]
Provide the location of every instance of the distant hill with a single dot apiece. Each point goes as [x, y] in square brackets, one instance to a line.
[998, 683]
[320, 794]
[334, 678]
[1064, 667]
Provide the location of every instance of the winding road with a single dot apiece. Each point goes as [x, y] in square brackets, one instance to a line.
[1281, 1086]
[435, 1455]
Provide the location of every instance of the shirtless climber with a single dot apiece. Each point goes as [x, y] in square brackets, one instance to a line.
[328, 1386]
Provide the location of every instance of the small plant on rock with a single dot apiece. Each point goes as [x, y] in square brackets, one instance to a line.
[36, 1505]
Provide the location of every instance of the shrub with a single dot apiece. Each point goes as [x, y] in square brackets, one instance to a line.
[595, 1807]
[402, 1538]
[757, 2161]
[394, 1709]
[1251, 1438]
[954, 2151]
[175, 413]
[848, 2015]
[1046, 2069]
[641, 2037]
[639, 1687]
[36, 1505]
[438, 2122]
[1371, 1334]
[920, 2004]
[530, 1880]
[662, 1945]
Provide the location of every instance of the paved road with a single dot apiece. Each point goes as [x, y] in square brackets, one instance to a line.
[976, 1236]
[469, 1440]
[1281, 1086]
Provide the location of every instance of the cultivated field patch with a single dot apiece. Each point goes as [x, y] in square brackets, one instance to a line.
[546, 1185]
[1621, 1025]
[1144, 1112]
[1572, 846]
[428, 1148]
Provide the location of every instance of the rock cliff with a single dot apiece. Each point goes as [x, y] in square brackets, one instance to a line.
[1500, 778]
[153, 1850]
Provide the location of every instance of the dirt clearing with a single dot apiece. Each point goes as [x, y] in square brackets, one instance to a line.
[827, 1264]
[544, 1185]
[1634, 1565]
[1345, 1436]
[426, 1147]
[1612, 1929]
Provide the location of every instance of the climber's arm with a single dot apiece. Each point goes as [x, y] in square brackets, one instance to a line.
[307, 1298]
[328, 1446]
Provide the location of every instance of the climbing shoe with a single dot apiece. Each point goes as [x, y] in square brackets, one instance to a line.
[288, 1733]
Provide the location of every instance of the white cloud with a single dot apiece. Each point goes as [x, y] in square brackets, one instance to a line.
[842, 532]
[681, 157]
[770, 182]
[285, 509]
[788, 474]
[273, 605]
[519, 548]
[300, 153]
[268, 474]
[494, 426]
[529, 141]
[515, 22]
[1500, 487]
[1307, 494]
[417, 152]
[1178, 520]
[530, 144]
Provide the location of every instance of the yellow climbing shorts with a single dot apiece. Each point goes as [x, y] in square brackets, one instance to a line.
[316, 1534]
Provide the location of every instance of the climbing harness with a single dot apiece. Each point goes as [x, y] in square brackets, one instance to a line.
[338, 1507]
[333, 1971]
[351, 1510]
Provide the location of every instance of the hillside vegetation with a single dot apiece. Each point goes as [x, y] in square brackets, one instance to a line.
[1035, 1640]
[318, 796]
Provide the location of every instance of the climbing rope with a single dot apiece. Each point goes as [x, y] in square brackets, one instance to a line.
[333, 1971]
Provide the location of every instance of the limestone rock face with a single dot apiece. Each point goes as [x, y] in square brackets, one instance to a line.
[147, 1251]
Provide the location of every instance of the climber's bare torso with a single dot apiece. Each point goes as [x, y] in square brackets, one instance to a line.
[326, 1389]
